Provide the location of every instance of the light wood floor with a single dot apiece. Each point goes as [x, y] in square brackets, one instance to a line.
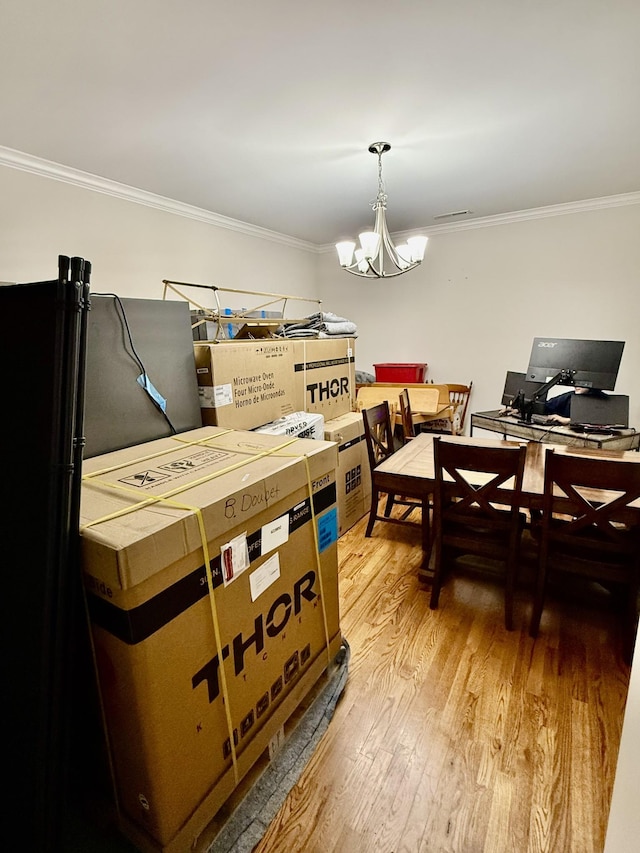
[454, 734]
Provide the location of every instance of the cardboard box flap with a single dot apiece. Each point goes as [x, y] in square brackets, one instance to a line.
[139, 514]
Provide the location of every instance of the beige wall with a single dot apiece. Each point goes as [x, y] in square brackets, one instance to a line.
[481, 296]
[133, 247]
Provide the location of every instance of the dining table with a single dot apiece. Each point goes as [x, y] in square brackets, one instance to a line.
[411, 470]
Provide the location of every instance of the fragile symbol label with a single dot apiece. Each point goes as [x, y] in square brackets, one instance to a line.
[144, 478]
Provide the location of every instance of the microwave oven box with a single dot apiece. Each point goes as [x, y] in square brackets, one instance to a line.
[209, 563]
[353, 475]
[246, 384]
[325, 376]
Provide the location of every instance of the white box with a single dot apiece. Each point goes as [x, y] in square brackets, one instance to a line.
[296, 425]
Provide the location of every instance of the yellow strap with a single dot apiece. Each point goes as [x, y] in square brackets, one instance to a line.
[167, 499]
[216, 631]
[318, 564]
[151, 499]
[188, 442]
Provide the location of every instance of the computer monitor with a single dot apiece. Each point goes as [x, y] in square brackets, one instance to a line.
[604, 410]
[587, 364]
[515, 384]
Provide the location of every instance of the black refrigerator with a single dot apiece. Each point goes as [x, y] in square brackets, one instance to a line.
[42, 344]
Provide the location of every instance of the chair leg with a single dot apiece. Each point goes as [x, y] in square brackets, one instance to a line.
[373, 512]
[426, 530]
[508, 595]
[389, 505]
[437, 577]
[538, 601]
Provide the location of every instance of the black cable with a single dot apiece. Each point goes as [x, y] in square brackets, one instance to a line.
[136, 357]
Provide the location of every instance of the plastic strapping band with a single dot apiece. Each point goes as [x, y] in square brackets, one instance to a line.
[198, 443]
[89, 479]
[167, 499]
[214, 614]
[317, 555]
[216, 631]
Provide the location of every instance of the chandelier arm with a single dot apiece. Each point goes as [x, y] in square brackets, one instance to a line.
[387, 242]
[375, 274]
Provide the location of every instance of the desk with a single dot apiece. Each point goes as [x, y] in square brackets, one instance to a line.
[410, 470]
[627, 439]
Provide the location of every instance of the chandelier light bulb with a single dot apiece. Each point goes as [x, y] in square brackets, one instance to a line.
[370, 242]
[404, 253]
[361, 261]
[345, 252]
[417, 245]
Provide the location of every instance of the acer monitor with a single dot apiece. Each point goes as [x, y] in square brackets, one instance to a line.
[564, 361]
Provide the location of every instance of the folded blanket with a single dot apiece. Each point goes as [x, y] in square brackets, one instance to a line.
[299, 333]
[315, 321]
[343, 327]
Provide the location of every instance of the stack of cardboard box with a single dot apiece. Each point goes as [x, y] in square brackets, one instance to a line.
[248, 384]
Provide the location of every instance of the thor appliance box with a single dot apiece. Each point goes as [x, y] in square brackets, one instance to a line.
[353, 476]
[325, 376]
[210, 569]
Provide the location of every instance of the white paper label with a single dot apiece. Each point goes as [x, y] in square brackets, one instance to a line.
[262, 578]
[275, 533]
[222, 395]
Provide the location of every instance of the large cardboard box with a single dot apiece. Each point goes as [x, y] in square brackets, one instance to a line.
[244, 385]
[325, 376]
[353, 475]
[210, 569]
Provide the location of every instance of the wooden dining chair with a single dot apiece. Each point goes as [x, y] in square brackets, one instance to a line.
[452, 423]
[459, 396]
[378, 432]
[587, 528]
[408, 427]
[476, 510]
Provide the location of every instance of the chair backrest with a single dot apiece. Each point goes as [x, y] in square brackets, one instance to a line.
[378, 433]
[478, 480]
[459, 397]
[407, 417]
[370, 396]
[590, 497]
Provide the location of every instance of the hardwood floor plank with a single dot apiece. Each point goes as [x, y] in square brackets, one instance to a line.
[454, 735]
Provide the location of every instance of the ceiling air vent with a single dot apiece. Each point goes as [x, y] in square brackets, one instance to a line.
[451, 215]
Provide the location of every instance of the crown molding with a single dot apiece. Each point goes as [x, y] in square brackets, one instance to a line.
[603, 203]
[517, 216]
[47, 168]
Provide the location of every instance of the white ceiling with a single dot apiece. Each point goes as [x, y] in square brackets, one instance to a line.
[263, 110]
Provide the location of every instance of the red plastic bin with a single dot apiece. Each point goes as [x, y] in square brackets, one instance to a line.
[406, 372]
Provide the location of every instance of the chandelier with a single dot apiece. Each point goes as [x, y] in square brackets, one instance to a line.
[376, 245]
